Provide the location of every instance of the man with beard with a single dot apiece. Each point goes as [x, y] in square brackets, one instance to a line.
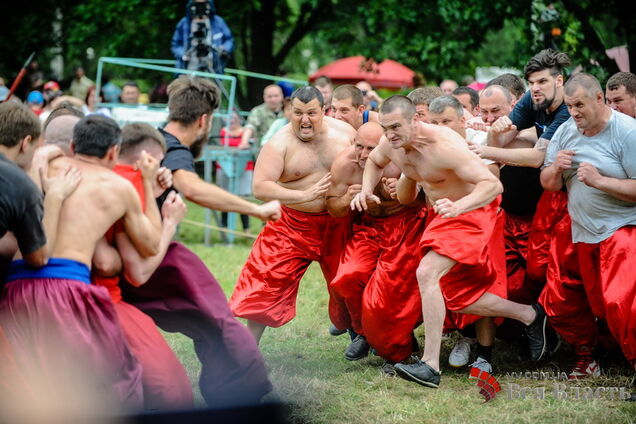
[293, 167]
[191, 104]
[182, 295]
[542, 107]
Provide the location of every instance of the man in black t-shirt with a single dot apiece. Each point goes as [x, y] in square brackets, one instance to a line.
[22, 209]
[182, 295]
[543, 109]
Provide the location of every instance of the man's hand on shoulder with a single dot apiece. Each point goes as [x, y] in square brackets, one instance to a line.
[61, 185]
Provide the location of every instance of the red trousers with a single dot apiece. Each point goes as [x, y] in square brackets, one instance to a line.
[166, 384]
[609, 278]
[563, 297]
[516, 233]
[268, 284]
[550, 209]
[475, 241]
[377, 281]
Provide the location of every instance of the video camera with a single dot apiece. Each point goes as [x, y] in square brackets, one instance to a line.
[199, 9]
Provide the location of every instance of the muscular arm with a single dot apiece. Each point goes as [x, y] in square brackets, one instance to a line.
[470, 169]
[137, 269]
[377, 161]
[552, 178]
[529, 157]
[407, 190]
[106, 259]
[340, 193]
[209, 195]
[623, 189]
[267, 172]
[501, 139]
[142, 231]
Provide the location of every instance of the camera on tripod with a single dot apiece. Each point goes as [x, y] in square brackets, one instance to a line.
[200, 40]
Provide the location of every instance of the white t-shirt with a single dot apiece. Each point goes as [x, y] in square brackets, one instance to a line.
[595, 214]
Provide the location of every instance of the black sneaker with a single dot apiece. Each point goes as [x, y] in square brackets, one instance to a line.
[357, 349]
[419, 372]
[334, 331]
[536, 332]
[388, 369]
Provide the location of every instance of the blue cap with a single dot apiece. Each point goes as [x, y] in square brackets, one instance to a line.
[35, 97]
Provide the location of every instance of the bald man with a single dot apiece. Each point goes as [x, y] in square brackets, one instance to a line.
[376, 276]
[59, 132]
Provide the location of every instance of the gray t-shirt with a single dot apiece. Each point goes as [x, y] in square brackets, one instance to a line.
[595, 214]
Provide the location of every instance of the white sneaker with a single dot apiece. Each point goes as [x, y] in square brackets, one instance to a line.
[461, 353]
[482, 364]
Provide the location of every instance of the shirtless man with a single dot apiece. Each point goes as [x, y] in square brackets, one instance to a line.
[421, 98]
[55, 307]
[464, 195]
[348, 105]
[293, 167]
[376, 276]
[447, 111]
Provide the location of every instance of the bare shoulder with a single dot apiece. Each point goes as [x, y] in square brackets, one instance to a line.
[344, 162]
[281, 140]
[339, 131]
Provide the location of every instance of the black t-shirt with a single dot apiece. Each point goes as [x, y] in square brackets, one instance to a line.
[177, 156]
[522, 185]
[21, 208]
[524, 116]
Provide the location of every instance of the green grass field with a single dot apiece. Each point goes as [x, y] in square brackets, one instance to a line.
[309, 372]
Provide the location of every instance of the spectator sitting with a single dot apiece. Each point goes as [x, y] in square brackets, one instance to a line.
[90, 106]
[280, 122]
[262, 116]
[130, 93]
[110, 91]
[233, 136]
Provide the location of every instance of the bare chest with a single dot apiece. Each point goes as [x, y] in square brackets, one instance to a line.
[302, 162]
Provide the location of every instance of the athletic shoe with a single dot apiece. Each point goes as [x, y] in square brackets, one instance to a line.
[388, 369]
[585, 367]
[420, 373]
[482, 364]
[334, 331]
[536, 333]
[357, 349]
[461, 353]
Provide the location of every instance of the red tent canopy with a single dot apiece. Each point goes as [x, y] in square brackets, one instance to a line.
[350, 70]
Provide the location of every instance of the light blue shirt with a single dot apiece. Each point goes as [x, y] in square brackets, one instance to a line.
[595, 214]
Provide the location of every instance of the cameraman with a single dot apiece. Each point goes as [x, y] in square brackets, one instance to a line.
[202, 40]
